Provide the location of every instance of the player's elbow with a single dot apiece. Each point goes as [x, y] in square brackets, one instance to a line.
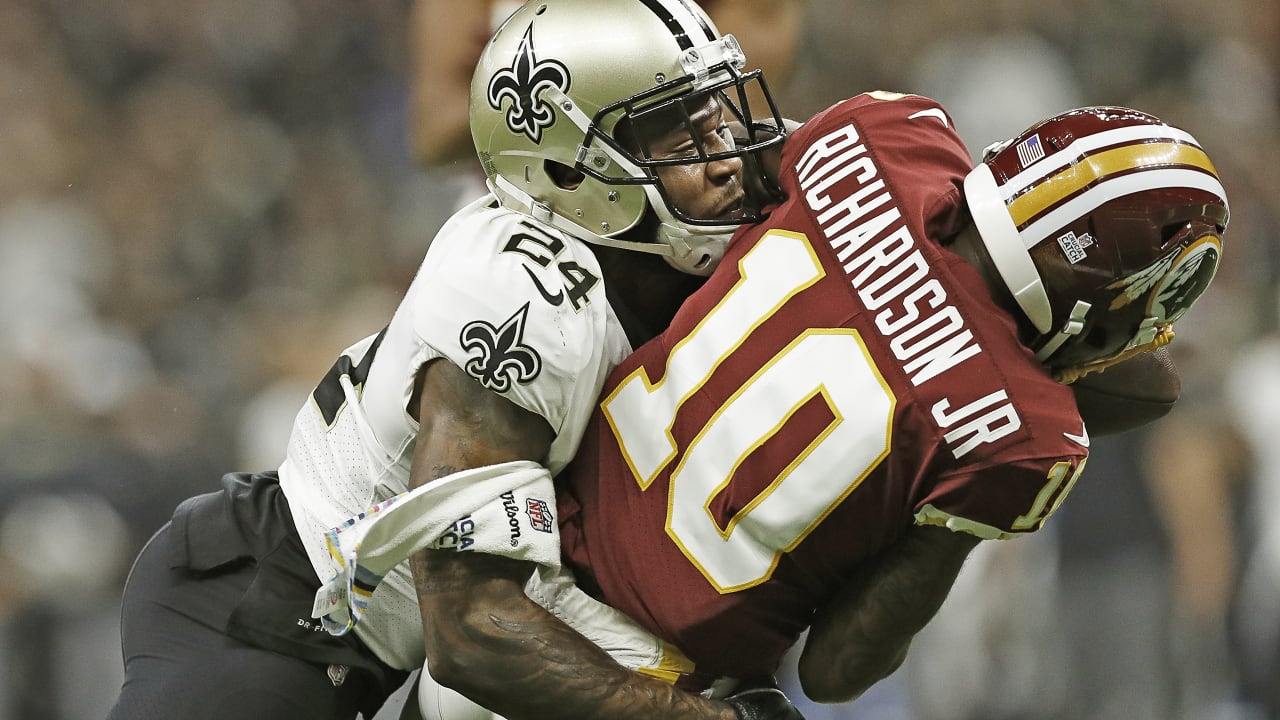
[824, 681]
[445, 668]
[460, 670]
[822, 691]
[454, 660]
[825, 687]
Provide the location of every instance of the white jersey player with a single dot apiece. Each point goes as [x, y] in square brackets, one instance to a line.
[521, 309]
[476, 392]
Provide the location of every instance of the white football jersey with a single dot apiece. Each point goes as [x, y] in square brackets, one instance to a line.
[521, 308]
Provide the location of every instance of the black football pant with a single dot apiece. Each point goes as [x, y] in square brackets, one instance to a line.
[182, 663]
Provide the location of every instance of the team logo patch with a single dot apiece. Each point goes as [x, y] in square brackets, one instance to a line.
[522, 86]
[539, 513]
[498, 355]
[1172, 283]
[1190, 275]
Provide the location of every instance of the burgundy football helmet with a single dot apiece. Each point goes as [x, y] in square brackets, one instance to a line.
[1106, 225]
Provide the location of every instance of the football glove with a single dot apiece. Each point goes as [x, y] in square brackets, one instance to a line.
[763, 703]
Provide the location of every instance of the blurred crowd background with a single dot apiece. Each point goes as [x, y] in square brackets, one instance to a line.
[203, 201]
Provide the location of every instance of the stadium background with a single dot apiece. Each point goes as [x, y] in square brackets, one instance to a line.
[203, 201]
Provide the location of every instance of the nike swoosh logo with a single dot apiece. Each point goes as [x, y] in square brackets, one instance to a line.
[933, 113]
[1082, 439]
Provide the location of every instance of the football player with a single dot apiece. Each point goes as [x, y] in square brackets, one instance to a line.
[601, 126]
[876, 379]
[892, 367]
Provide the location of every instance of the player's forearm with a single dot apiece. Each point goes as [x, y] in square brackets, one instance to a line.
[489, 642]
[863, 634]
[484, 637]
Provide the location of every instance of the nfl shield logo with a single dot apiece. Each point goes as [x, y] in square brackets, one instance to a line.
[539, 513]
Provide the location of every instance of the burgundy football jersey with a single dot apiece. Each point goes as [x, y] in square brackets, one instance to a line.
[840, 377]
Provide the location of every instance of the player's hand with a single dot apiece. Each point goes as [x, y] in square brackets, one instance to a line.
[763, 702]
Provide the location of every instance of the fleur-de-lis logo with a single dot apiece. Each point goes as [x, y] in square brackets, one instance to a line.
[522, 85]
[498, 355]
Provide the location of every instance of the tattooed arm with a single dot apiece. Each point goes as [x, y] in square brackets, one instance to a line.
[484, 637]
[486, 640]
[862, 635]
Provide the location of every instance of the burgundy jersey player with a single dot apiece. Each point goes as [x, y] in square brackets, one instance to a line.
[855, 388]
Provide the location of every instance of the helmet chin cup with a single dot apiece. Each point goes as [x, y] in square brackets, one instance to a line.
[1159, 336]
[695, 253]
[695, 249]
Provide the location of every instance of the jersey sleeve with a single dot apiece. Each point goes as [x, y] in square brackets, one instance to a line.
[1000, 501]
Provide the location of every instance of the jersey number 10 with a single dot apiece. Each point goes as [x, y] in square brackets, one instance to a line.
[830, 363]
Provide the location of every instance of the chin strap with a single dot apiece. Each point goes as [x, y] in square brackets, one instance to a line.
[1163, 336]
[695, 251]
[516, 199]
[1072, 327]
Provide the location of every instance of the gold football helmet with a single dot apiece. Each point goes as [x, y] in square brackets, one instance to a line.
[561, 81]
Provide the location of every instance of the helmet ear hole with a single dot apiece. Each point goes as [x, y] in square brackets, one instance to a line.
[565, 177]
[1171, 232]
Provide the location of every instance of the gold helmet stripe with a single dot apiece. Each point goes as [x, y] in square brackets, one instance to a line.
[1096, 169]
[1085, 202]
[1036, 172]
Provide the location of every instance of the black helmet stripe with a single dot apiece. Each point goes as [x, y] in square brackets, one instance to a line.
[681, 27]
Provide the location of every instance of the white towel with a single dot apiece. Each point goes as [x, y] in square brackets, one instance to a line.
[504, 509]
